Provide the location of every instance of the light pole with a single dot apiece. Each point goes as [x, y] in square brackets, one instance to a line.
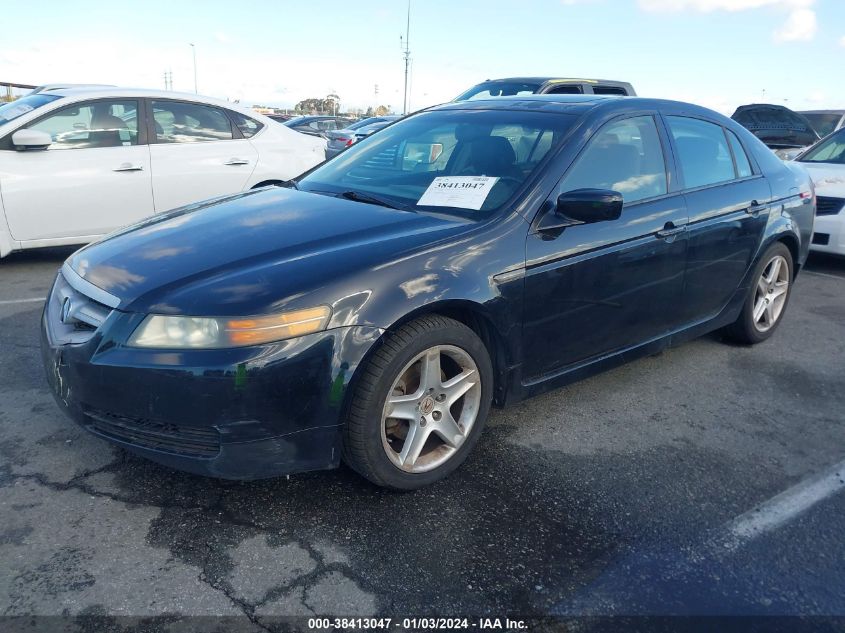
[407, 53]
[194, 51]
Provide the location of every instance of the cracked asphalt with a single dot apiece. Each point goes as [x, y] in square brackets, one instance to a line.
[596, 499]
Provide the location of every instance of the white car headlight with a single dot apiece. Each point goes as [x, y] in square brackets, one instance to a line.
[169, 332]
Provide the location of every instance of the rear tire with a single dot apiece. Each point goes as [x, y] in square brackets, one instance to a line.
[767, 298]
[420, 404]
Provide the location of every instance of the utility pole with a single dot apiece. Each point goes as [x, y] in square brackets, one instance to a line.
[194, 51]
[407, 54]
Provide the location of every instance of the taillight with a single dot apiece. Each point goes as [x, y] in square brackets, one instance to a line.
[349, 141]
[343, 139]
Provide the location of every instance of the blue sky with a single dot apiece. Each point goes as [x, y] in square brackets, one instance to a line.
[719, 53]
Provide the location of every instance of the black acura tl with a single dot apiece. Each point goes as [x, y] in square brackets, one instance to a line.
[472, 254]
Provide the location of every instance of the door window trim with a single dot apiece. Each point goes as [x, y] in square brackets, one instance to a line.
[6, 141]
[667, 165]
[755, 170]
[151, 131]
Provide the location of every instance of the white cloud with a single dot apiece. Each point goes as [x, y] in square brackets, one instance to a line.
[842, 41]
[800, 26]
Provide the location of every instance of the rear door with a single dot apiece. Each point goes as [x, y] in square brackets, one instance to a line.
[93, 178]
[196, 153]
[596, 289]
[728, 202]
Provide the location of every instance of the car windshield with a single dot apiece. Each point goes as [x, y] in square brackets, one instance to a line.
[364, 122]
[465, 162]
[830, 150]
[11, 111]
[499, 89]
[823, 122]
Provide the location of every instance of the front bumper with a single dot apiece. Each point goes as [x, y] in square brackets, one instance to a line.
[829, 234]
[244, 413]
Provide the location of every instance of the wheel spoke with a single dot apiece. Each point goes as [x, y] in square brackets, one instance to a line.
[774, 271]
[430, 370]
[449, 431]
[403, 407]
[768, 314]
[780, 289]
[456, 387]
[759, 309]
[762, 286]
[414, 442]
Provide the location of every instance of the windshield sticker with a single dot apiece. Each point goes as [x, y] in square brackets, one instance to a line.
[464, 192]
[15, 111]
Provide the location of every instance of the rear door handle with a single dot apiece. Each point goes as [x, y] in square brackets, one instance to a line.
[129, 167]
[754, 208]
[670, 229]
[236, 161]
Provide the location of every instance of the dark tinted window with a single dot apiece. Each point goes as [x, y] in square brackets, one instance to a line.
[703, 151]
[743, 166]
[93, 124]
[246, 125]
[498, 89]
[179, 122]
[624, 156]
[609, 90]
[565, 89]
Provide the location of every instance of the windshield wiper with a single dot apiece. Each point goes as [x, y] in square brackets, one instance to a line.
[369, 198]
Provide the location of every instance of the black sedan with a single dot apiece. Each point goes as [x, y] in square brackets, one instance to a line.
[471, 255]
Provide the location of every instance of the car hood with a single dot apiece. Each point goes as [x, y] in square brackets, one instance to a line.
[252, 253]
[828, 179]
[776, 125]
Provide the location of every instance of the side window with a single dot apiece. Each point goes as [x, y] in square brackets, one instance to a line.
[178, 122]
[743, 167]
[94, 124]
[624, 156]
[248, 127]
[703, 151]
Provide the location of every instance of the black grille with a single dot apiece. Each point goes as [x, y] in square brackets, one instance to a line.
[170, 438]
[822, 239]
[829, 206]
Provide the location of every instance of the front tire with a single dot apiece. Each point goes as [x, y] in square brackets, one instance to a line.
[420, 404]
[767, 298]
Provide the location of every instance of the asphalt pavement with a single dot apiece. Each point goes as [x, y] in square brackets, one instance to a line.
[706, 481]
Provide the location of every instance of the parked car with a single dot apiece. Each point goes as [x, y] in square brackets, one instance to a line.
[825, 162]
[777, 126]
[316, 125]
[64, 152]
[339, 140]
[824, 122]
[518, 86]
[377, 308]
[281, 118]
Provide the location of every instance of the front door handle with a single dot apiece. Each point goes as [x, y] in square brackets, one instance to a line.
[129, 167]
[670, 229]
[236, 161]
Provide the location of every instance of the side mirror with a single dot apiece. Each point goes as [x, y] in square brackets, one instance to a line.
[586, 206]
[31, 139]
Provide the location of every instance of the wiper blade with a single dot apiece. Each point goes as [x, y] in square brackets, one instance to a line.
[369, 198]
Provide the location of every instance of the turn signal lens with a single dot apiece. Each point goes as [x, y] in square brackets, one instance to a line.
[177, 332]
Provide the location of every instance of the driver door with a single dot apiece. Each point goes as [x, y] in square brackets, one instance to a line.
[595, 289]
[93, 178]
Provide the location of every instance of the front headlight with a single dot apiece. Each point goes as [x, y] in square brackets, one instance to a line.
[171, 332]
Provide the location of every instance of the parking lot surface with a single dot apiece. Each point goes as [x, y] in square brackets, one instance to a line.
[707, 479]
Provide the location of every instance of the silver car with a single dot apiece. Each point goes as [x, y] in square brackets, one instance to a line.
[339, 140]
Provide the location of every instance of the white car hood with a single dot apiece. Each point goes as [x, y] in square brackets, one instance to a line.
[828, 179]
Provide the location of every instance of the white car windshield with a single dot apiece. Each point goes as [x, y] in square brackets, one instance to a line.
[11, 111]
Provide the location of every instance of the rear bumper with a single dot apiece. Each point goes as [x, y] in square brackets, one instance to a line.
[245, 413]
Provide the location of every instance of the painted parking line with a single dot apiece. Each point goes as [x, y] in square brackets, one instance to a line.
[785, 506]
[8, 302]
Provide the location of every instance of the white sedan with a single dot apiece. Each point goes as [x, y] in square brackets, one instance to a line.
[78, 163]
[825, 161]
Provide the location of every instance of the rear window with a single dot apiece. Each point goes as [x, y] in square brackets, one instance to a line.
[702, 151]
[823, 123]
[609, 90]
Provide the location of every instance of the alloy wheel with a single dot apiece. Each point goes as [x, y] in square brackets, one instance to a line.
[431, 408]
[771, 293]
